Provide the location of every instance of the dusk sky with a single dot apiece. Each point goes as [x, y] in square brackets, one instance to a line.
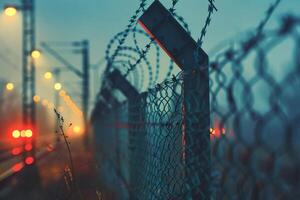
[99, 20]
[128, 123]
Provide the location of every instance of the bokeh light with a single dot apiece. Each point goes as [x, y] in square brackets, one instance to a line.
[36, 98]
[57, 86]
[45, 102]
[35, 54]
[62, 93]
[28, 133]
[16, 134]
[76, 129]
[10, 86]
[29, 160]
[48, 75]
[10, 11]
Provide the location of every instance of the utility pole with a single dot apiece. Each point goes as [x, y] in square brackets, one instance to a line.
[85, 87]
[28, 79]
[28, 75]
[56, 73]
[83, 75]
[29, 53]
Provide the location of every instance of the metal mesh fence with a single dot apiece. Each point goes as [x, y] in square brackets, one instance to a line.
[254, 116]
[171, 142]
[155, 134]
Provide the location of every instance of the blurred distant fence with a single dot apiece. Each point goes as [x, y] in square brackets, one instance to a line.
[255, 117]
[177, 140]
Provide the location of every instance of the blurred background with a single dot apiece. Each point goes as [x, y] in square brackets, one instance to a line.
[56, 51]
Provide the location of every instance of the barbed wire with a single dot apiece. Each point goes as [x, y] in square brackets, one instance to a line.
[142, 53]
[150, 129]
[240, 169]
[211, 9]
[125, 33]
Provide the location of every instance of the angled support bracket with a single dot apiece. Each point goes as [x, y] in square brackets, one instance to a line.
[121, 83]
[109, 97]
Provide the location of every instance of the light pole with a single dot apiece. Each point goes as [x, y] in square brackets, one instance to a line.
[85, 87]
[57, 87]
[82, 47]
[29, 53]
[9, 86]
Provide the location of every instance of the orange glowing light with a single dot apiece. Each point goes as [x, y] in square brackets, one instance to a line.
[62, 93]
[36, 98]
[29, 160]
[76, 129]
[44, 102]
[23, 133]
[67, 98]
[28, 147]
[28, 133]
[50, 105]
[16, 134]
[16, 151]
[17, 167]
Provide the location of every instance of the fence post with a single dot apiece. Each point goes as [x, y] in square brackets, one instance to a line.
[113, 104]
[134, 117]
[179, 45]
[195, 130]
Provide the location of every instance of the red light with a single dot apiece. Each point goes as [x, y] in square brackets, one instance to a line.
[16, 151]
[50, 148]
[28, 133]
[23, 133]
[29, 160]
[223, 130]
[17, 167]
[28, 147]
[16, 134]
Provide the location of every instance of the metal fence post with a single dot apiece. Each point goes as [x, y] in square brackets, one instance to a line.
[113, 105]
[179, 45]
[134, 103]
[134, 119]
[195, 131]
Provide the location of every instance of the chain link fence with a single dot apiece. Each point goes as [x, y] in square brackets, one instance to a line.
[237, 138]
[254, 114]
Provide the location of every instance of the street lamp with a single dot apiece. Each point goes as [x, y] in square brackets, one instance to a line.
[62, 93]
[48, 75]
[35, 54]
[45, 102]
[29, 53]
[10, 10]
[27, 7]
[36, 98]
[77, 129]
[57, 86]
[10, 86]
